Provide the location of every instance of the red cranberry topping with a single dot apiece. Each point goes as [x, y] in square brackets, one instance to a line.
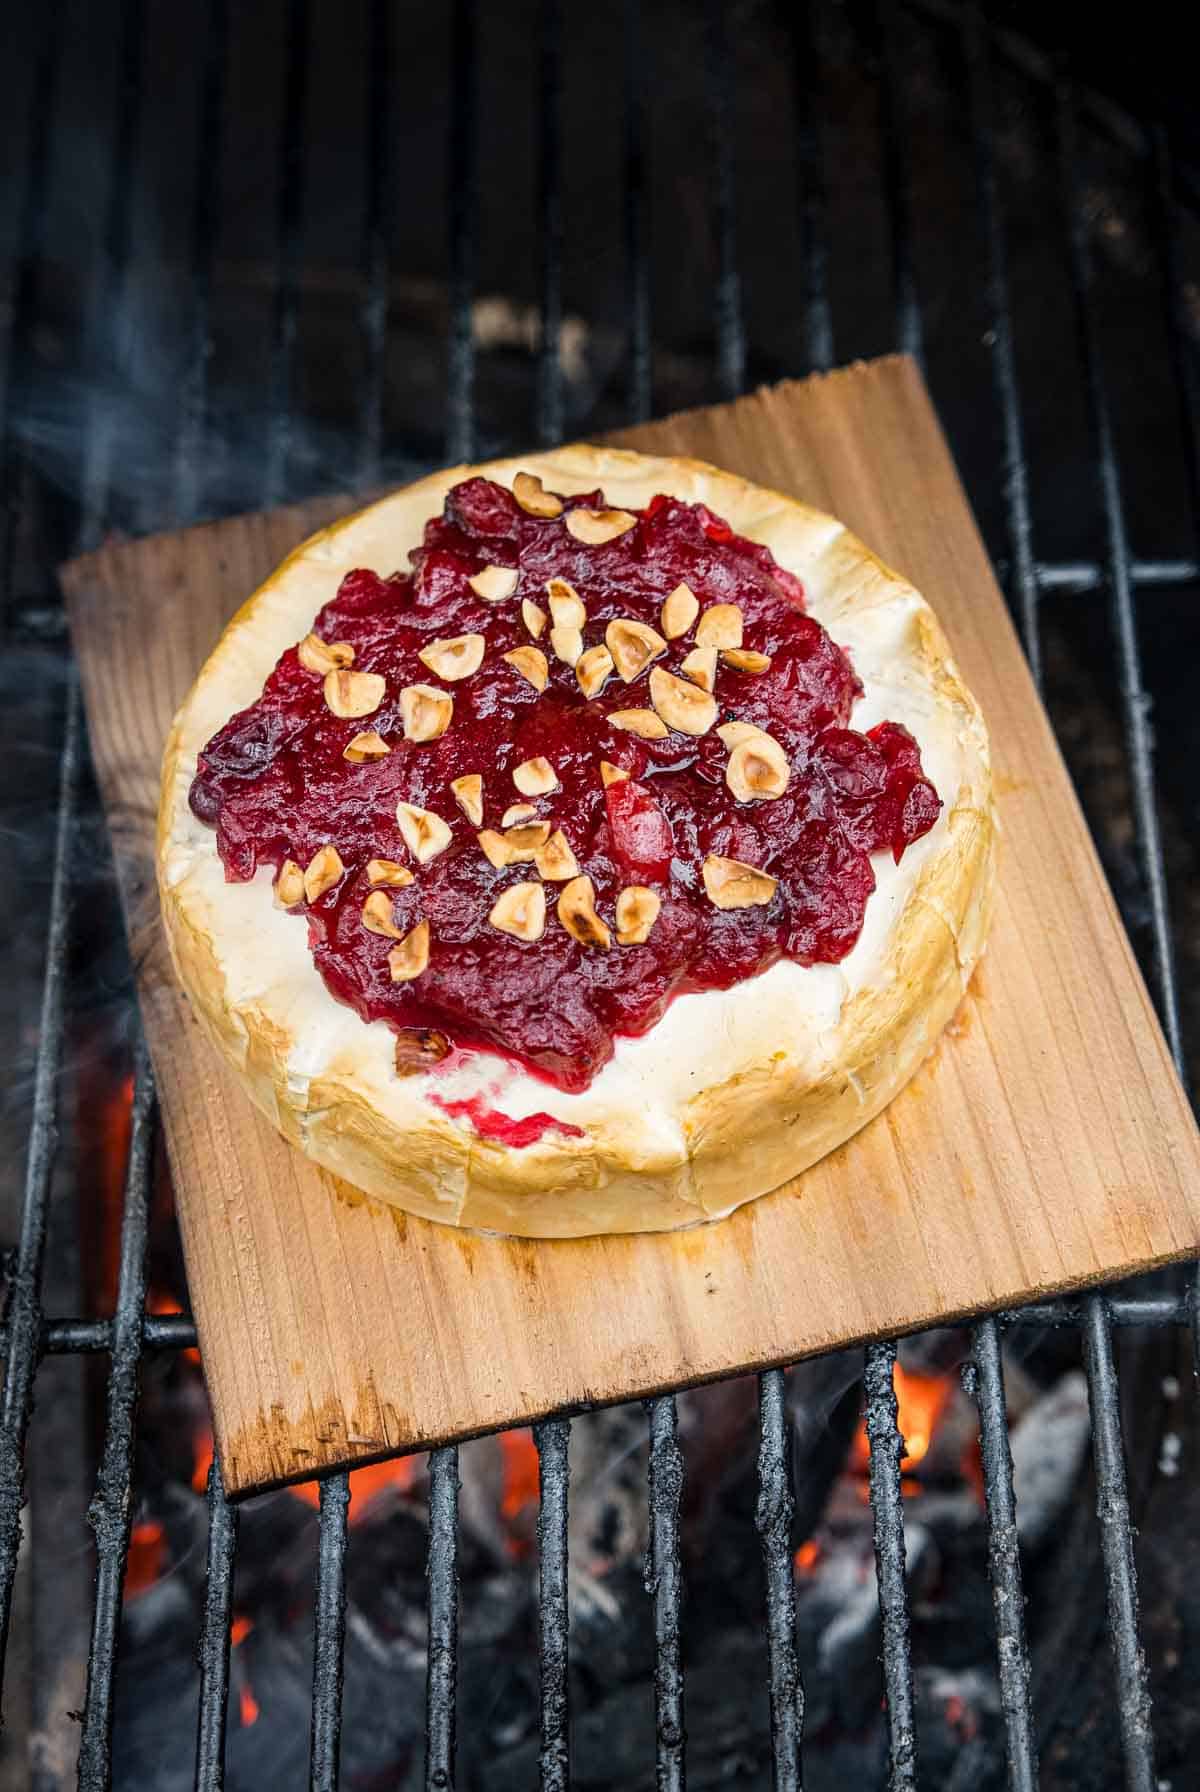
[277, 787]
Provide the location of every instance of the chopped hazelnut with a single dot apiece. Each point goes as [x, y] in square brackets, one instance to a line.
[322, 872]
[425, 834]
[533, 616]
[567, 608]
[411, 956]
[535, 777]
[577, 912]
[418, 1049]
[594, 527]
[520, 911]
[363, 747]
[744, 659]
[426, 711]
[468, 794]
[455, 657]
[642, 722]
[387, 871]
[530, 662]
[633, 646]
[700, 665]
[612, 774]
[289, 884]
[637, 911]
[681, 704]
[567, 644]
[377, 915]
[316, 655]
[517, 812]
[555, 861]
[353, 693]
[732, 884]
[757, 770]
[494, 583]
[593, 670]
[679, 612]
[533, 497]
[720, 626]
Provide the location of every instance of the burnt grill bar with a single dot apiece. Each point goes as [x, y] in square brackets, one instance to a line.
[27, 1334]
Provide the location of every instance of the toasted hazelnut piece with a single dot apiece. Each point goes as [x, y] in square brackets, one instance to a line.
[593, 670]
[387, 871]
[555, 861]
[517, 812]
[567, 644]
[731, 884]
[594, 527]
[426, 711]
[679, 611]
[744, 659]
[642, 722]
[612, 774]
[377, 915]
[567, 609]
[637, 911]
[468, 794]
[316, 655]
[353, 693]
[418, 1049]
[530, 662]
[410, 957]
[425, 834]
[494, 583]
[370, 745]
[633, 645]
[757, 770]
[521, 911]
[682, 705]
[288, 885]
[455, 657]
[322, 872]
[700, 665]
[535, 777]
[533, 616]
[733, 733]
[720, 626]
[515, 847]
[577, 912]
[533, 497]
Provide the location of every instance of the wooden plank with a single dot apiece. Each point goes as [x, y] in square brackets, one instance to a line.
[1045, 1145]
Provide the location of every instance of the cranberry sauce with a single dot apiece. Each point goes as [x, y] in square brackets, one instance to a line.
[276, 785]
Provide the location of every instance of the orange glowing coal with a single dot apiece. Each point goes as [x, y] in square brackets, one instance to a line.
[807, 1556]
[248, 1706]
[365, 1484]
[522, 1480]
[161, 1303]
[920, 1400]
[147, 1553]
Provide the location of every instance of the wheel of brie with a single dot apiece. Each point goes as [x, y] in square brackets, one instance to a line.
[575, 844]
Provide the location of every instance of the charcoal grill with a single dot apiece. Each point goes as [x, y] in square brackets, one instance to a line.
[1078, 127]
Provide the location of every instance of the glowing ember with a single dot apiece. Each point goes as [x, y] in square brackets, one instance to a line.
[921, 1400]
[248, 1705]
[166, 1305]
[204, 1456]
[240, 1629]
[147, 1551]
[365, 1484]
[522, 1477]
[807, 1556]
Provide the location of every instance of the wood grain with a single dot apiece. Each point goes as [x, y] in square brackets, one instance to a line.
[1045, 1145]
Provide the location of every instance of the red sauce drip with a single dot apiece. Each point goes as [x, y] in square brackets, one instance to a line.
[275, 785]
[490, 1123]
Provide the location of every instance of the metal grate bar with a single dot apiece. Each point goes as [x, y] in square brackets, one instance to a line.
[25, 1316]
[214, 1636]
[108, 298]
[812, 201]
[1078, 576]
[549, 373]
[887, 1504]
[30, 248]
[1136, 1309]
[441, 1682]
[329, 1634]
[553, 1439]
[1179, 332]
[977, 51]
[727, 286]
[69, 1337]
[909, 335]
[111, 1511]
[664, 1583]
[1135, 697]
[1116, 1547]
[1194, 1316]
[285, 319]
[194, 396]
[377, 217]
[984, 1379]
[637, 221]
[463, 210]
[773, 1518]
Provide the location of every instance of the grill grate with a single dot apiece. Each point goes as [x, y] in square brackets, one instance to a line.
[29, 1334]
